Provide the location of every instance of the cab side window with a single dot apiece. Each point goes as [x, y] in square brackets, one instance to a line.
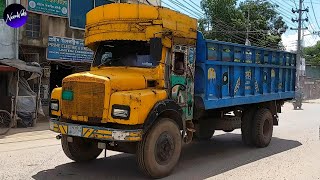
[179, 65]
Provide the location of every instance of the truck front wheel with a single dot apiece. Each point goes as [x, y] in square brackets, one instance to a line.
[80, 149]
[159, 151]
[262, 127]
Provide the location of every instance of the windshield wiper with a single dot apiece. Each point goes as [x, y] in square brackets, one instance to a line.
[103, 63]
[108, 61]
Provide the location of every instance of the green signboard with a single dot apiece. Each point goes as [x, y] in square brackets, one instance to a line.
[49, 7]
[2, 7]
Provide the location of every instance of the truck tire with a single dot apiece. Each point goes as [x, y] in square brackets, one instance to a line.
[80, 149]
[203, 132]
[203, 135]
[246, 126]
[159, 151]
[262, 128]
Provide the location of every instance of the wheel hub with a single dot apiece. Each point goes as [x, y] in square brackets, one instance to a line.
[164, 148]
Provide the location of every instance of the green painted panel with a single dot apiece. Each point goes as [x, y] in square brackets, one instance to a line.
[67, 95]
[178, 80]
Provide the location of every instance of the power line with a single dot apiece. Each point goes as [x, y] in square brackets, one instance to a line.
[295, 4]
[170, 6]
[191, 5]
[221, 24]
[195, 4]
[199, 14]
[284, 12]
[254, 40]
[186, 9]
[314, 14]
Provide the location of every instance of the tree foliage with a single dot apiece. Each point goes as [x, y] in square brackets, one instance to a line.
[227, 21]
[312, 54]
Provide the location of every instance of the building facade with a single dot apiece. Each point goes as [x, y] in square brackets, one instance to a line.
[48, 20]
[53, 37]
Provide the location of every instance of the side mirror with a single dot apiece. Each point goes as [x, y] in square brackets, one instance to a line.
[156, 49]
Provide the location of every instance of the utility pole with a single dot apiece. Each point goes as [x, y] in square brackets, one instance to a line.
[248, 43]
[299, 49]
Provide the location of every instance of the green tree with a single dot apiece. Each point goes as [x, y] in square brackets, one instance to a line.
[229, 22]
[218, 14]
[312, 54]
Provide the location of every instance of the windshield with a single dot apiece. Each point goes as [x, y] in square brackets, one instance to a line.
[124, 53]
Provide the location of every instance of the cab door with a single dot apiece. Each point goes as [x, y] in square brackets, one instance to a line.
[182, 78]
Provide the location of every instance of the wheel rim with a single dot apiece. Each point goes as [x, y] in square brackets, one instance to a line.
[266, 127]
[164, 148]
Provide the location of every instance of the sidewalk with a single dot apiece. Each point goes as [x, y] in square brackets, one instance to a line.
[26, 139]
[313, 101]
[40, 126]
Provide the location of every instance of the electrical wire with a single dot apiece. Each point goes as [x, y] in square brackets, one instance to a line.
[254, 41]
[186, 11]
[197, 13]
[222, 24]
[192, 6]
[170, 6]
[314, 14]
[195, 4]
[284, 12]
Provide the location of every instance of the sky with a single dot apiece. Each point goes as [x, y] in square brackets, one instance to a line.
[289, 39]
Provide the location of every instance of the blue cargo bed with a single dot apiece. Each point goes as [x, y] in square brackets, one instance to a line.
[229, 74]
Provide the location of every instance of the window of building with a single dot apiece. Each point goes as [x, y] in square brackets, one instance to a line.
[33, 26]
[79, 9]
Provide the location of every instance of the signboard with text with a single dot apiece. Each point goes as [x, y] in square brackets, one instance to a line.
[68, 49]
[49, 7]
[79, 10]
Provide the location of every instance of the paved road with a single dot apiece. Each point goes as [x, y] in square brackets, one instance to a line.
[294, 153]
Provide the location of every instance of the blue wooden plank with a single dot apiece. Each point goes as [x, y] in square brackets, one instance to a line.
[227, 102]
[247, 64]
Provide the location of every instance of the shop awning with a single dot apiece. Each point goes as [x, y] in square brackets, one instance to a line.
[21, 65]
[4, 68]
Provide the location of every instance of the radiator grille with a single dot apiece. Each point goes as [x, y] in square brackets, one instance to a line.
[88, 99]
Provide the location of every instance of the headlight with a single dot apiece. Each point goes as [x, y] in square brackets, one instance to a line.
[54, 105]
[120, 112]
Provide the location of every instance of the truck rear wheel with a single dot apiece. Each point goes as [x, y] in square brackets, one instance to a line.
[262, 128]
[204, 132]
[159, 151]
[203, 135]
[246, 126]
[80, 149]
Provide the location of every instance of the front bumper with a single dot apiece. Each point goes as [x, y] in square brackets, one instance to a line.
[95, 132]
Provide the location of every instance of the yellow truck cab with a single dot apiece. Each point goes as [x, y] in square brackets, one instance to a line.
[156, 83]
[123, 102]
